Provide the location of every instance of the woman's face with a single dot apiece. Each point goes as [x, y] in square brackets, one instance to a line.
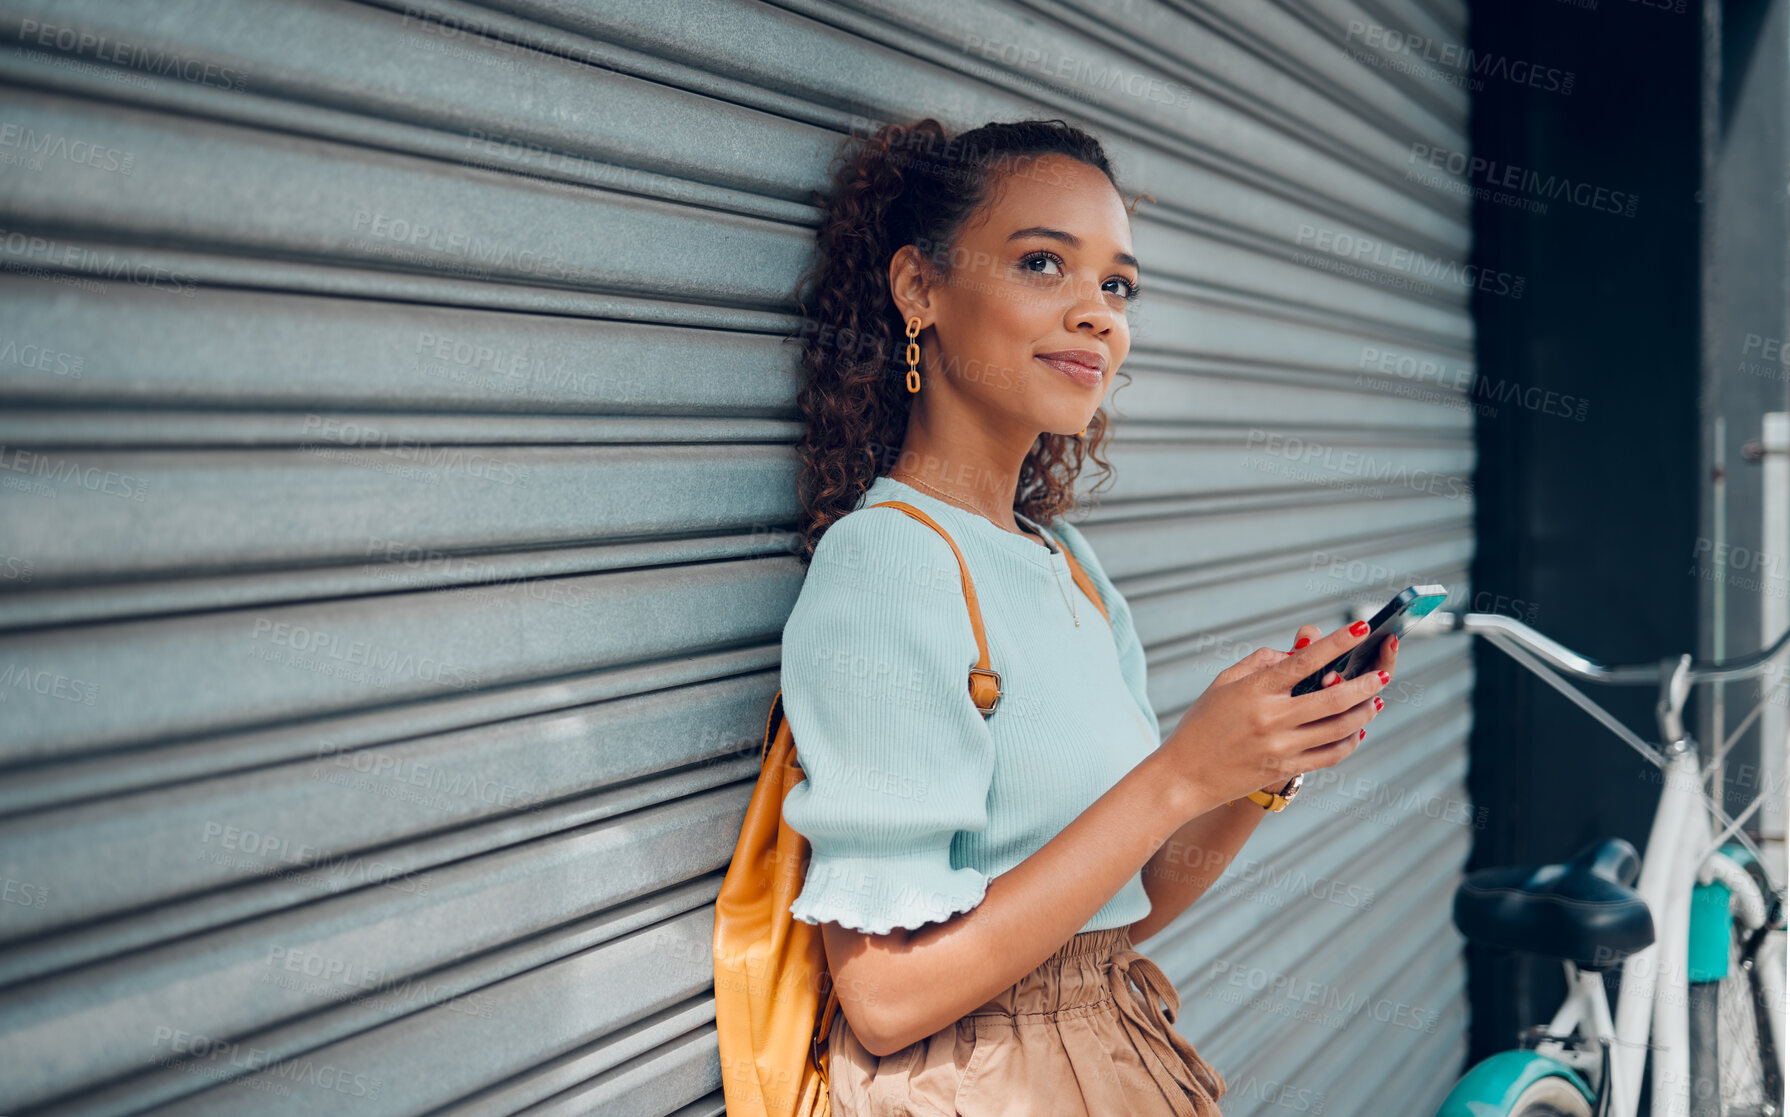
[1030, 326]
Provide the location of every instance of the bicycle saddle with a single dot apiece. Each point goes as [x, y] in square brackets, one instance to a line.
[1583, 910]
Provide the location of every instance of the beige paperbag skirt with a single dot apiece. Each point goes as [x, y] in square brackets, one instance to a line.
[1082, 1035]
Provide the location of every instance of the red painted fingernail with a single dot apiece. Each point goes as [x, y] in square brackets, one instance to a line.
[1289, 653]
[1332, 679]
[1379, 703]
[1363, 736]
[1392, 641]
[1301, 642]
[1385, 678]
[1359, 628]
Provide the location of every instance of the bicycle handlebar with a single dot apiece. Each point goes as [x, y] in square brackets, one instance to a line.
[1673, 676]
[1572, 663]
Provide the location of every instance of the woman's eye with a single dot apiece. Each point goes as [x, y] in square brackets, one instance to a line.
[1030, 263]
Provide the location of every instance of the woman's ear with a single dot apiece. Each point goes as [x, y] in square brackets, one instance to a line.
[910, 284]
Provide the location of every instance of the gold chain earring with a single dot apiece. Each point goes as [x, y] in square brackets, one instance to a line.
[913, 354]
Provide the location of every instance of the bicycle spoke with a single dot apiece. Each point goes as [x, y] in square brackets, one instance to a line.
[1751, 1078]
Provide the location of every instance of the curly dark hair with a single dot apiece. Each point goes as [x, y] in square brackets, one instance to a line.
[908, 184]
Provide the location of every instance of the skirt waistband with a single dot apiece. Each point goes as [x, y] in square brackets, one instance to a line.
[1099, 943]
[1099, 972]
[1077, 977]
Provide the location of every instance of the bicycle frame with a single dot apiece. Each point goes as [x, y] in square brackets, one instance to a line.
[1654, 994]
[1652, 1007]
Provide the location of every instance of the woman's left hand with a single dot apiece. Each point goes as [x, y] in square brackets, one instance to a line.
[1309, 632]
[1262, 657]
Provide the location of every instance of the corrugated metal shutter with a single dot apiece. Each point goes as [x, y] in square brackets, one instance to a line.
[395, 477]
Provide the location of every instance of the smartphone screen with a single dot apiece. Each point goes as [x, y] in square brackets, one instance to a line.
[1406, 608]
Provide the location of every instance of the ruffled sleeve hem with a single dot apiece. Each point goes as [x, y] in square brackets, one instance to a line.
[875, 895]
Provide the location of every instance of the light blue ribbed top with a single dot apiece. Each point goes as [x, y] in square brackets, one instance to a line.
[913, 801]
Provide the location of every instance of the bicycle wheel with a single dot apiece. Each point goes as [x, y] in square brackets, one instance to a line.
[1751, 1074]
[1735, 1054]
[1550, 1097]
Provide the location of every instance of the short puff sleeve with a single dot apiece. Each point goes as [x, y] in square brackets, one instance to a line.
[1125, 635]
[896, 757]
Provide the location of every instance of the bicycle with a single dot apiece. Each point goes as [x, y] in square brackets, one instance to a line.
[1698, 990]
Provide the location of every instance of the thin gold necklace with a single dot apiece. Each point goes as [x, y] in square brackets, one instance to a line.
[957, 500]
[960, 502]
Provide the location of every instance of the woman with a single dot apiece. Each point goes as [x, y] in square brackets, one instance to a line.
[980, 881]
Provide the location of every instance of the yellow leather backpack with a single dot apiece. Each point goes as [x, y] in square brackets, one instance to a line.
[771, 1018]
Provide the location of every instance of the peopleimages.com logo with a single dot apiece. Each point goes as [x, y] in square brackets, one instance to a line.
[1526, 182]
[1378, 261]
[1453, 62]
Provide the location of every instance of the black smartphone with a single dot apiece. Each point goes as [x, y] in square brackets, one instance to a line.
[1410, 605]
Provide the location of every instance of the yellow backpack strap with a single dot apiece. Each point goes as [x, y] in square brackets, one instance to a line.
[985, 682]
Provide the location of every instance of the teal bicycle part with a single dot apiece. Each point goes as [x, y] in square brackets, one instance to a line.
[1519, 1084]
[1711, 927]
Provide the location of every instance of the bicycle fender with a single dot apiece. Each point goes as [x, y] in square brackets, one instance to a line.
[1496, 1081]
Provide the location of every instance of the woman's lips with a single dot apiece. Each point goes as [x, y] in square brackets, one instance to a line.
[1084, 375]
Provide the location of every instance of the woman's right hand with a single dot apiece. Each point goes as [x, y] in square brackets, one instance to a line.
[1249, 731]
